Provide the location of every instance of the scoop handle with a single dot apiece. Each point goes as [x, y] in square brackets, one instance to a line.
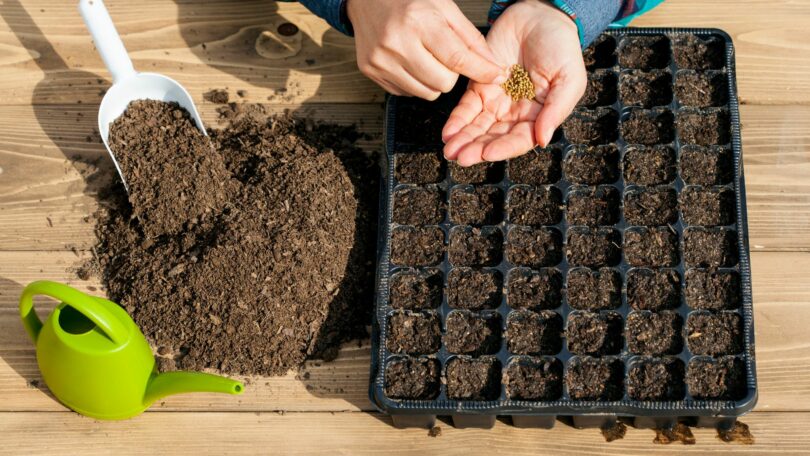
[106, 39]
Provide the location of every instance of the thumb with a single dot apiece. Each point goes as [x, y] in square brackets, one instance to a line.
[562, 97]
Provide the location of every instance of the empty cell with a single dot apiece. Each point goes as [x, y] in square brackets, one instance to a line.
[656, 379]
[595, 334]
[534, 205]
[533, 247]
[538, 166]
[414, 333]
[593, 247]
[653, 289]
[415, 289]
[417, 246]
[473, 379]
[418, 168]
[530, 289]
[648, 127]
[474, 289]
[595, 379]
[475, 246]
[589, 289]
[472, 334]
[707, 206]
[418, 206]
[591, 127]
[413, 378]
[654, 333]
[712, 289]
[651, 247]
[476, 205]
[534, 333]
[533, 379]
[714, 334]
[710, 247]
[649, 165]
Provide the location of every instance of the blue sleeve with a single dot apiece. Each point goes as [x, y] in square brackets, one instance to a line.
[332, 11]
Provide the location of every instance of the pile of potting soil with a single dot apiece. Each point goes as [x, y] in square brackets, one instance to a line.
[247, 255]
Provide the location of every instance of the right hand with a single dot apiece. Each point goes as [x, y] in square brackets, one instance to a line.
[419, 47]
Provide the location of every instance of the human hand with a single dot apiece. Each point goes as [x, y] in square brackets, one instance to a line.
[419, 47]
[487, 125]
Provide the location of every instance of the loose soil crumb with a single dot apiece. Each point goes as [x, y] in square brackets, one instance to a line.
[534, 205]
[651, 206]
[533, 379]
[649, 127]
[472, 334]
[533, 247]
[219, 96]
[737, 434]
[414, 333]
[418, 206]
[644, 52]
[615, 432]
[594, 290]
[435, 431]
[646, 89]
[534, 333]
[721, 378]
[592, 165]
[593, 247]
[413, 378]
[591, 127]
[475, 246]
[593, 205]
[477, 379]
[656, 379]
[539, 166]
[595, 379]
[680, 433]
[474, 289]
[653, 289]
[712, 289]
[645, 165]
[476, 205]
[417, 246]
[595, 334]
[714, 334]
[654, 333]
[415, 290]
[601, 89]
[534, 290]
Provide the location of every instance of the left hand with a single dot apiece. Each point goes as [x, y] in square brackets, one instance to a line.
[487, 125]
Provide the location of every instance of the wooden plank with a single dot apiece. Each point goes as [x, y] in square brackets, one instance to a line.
[46, 56]
[780, 294]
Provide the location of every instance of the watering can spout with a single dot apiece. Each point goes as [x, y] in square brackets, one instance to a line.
[169, 383]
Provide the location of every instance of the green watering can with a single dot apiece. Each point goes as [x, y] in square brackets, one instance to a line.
[96, 361]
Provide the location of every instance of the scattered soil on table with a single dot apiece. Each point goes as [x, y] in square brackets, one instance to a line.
[414, 333]
[475, 246]
[706, 165]
[701, 89]
[653, 289]
[651, 206]
[417, 246]
[645, 89]
[593, 205]
[712, 289]
[476, 205]
[435, 431]
[413, 378]
[710, 247]
[644, 165]
[534, 290]
[477, 174]
[714, 334]
[649, 127]
[539, 166]
[651, 247]
[472, 334]
[595, 379]
[592, 165]
[534, 205]
[219, 96]
[593, 247]
[654, 333]
[697, 53]
[678, 433]
[477, 379]
[418, 206]
[418, 168]
[601, 53]
[721, 378]
[704, 127]
[594, 290]
[739, 433]
[707, 206]
[591, 127]
[533, 247]
[534, 333]
[601, 89]
[656, 379]
[595, 334]
[474, 289]
[533, 379]
[415, 290]
[644, 52]
[615, 432]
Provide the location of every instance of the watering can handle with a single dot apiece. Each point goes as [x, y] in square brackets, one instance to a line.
[106, 38]
[89, 306]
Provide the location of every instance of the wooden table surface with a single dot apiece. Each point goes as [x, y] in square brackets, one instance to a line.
[51, 82]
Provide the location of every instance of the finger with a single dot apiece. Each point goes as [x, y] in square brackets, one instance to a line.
[388, 86]
[478, 127]
[430, 72]
[408, 84]
[469, 106]
[516, 142]
[563, 95]
[471, 154]
[465, 29]
[451, 50]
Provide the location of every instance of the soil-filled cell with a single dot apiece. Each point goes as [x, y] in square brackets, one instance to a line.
[645, 89]
[413, 378]
[534, 205]
[656, 379]
[645, 165]
[691, 51]
[595, 334]
[534, 333]
[592, 165]
[482, 173]
[714, 334]
[601, 89]
[414, 290]
[474, 289]
[591, 127]
[712, 289]
[529, 378]
[473, 379]
[418, 206]
[654, 333]
[722, 378]
[706, 165]
[533, 247]
[707, 206]
[594, 290]
[701, 89]
[601, 53]
[595, 379]
[472, 334]
[475, 246]
[593, 206]
[414, 333]
[710, 247]
[593, 247]
[651, 206]
[538, 166]
[653, 289]
[418, 168]
[651, 247]
[705, 127]
[644, 52]
[535, 290]
[417, 246]
[648, 127]
[476, 205]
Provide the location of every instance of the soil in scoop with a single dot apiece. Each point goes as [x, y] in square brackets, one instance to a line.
[644, 52]
[591, 127]
[714, 333]
[472, 334]
[701, 89]
[592, 165]
[413, 378]
[477, 379]
[474, 289]
[595, 379]
[418, 168]
[534, 205]
[534, 290]
[415, 290]
[712, 289]
[646, 89]
[699, 53]
[594, 290]
[476, 205]
[539, 166]
[413, 333]
[533, 379]
[710, 247]
[706, 165]
[593, 247]
[653, 289]
[654, 333]
[651, 247]
[595, 334]
[707, 206]
[648, 127]
[656, 379]
[417, 246]
[593, 205]
[475, 246]
[704, 127]
[644, 165]
[721, 378]
[481, 173]
[418, 206]
[533, 247]
[601, 89]
[651, 206]
[534, 333]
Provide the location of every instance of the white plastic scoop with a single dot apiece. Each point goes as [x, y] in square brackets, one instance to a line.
[128, 84]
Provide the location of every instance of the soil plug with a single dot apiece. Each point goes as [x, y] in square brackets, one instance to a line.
[519, 85]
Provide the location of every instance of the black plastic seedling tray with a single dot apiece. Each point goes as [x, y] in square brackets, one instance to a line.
[566, 375]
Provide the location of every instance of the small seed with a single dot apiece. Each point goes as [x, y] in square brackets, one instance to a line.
[519, 85]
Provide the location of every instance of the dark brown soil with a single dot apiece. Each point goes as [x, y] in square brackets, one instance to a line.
[651, 247]
[701, 89]
[533, 247]
[737, 434]
[219, 96]
[539, 166]
[481, 173]
[474, 289]
[418, 168]
[534, 205]
[534, 333]
[416, 290]
[678, 433]
[706, 165]
[710, 247]
[592, 165]
[594, 290]
[656, 379]
[417, 246]
[593, 206]
[591, 127]
[697, 53]
[651, 206]
[435, 431]
[175, 178]
[601, 89]
[414, 333]
[722, 378]
[653, 289]
[476, 205]
[477, 379]
[472, 334]
[593, 247]
[707, 206]
[646, 89]
[654, 333]
[534, 379]
[418, 206]
[644, 52]
[712, 289]
[595, 334]
[644, 165]
[475, 246]
[601, 53]
[714, 334]
[704, 127]
[535, 290]
[413, 378]
[594, 379]
[613, 432]
[648, 127]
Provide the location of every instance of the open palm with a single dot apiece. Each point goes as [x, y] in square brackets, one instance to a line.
[487, 125]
